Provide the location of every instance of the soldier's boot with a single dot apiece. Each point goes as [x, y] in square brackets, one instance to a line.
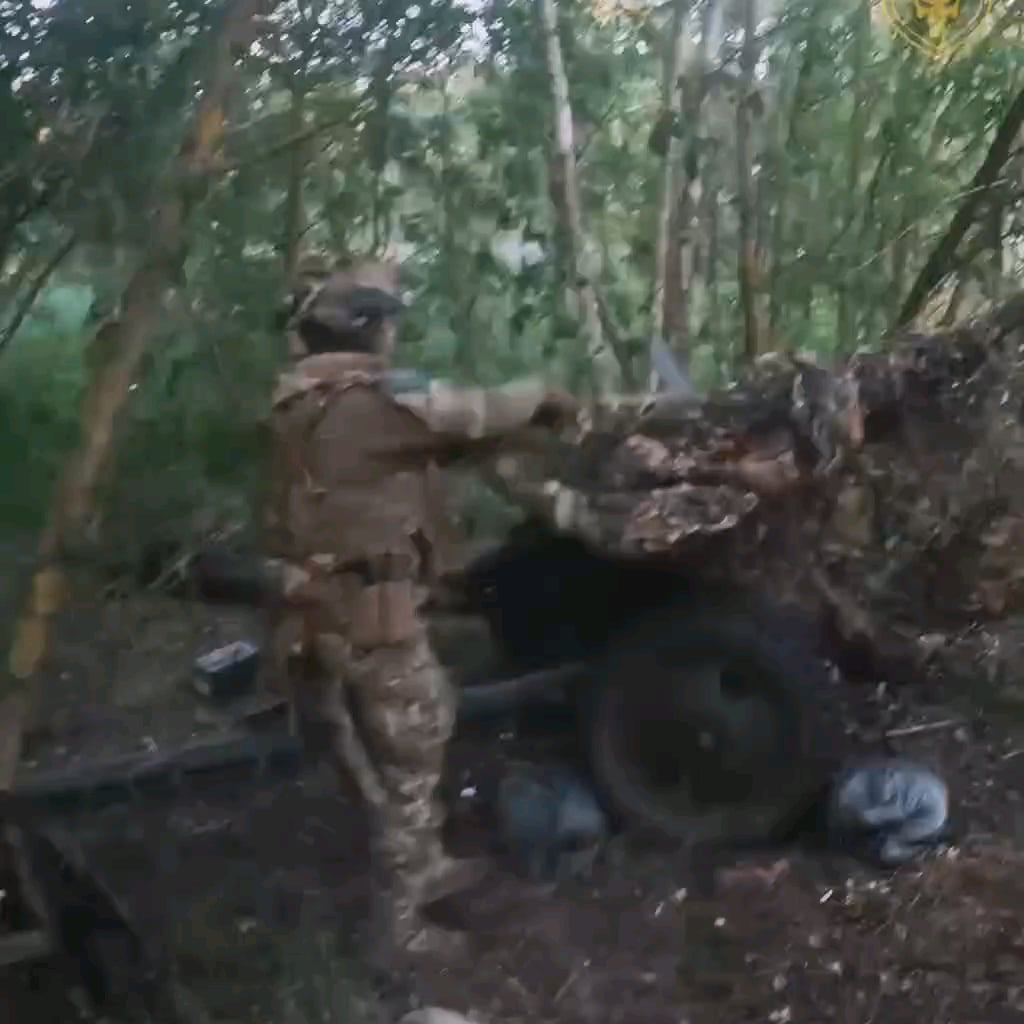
[448, 876]
[434, 941]
[400, 934]
[390, 951]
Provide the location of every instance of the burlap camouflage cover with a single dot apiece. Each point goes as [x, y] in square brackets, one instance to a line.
[661, 476]
[888, 492]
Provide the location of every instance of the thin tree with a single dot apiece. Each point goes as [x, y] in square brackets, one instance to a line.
[748, 270]
[565, 197]
[114, 357]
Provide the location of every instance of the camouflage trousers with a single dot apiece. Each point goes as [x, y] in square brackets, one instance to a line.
[388, 714]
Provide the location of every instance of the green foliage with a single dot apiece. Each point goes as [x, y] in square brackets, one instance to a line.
[429, 126]
[40, 381]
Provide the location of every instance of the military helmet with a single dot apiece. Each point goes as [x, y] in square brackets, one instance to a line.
[351, 306]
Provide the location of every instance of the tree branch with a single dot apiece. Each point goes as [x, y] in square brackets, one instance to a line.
[28, 300]
[938, 263]
[295, 139]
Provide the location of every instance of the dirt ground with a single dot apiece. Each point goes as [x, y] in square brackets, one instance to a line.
[259, 892]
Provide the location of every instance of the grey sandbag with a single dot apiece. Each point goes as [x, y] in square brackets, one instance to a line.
[890, 808]
[550, 821]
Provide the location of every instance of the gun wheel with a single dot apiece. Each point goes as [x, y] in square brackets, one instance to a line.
[702, 726]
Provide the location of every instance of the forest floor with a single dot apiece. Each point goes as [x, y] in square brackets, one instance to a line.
[259, 891]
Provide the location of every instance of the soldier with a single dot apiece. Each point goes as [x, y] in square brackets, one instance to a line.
[357, 517]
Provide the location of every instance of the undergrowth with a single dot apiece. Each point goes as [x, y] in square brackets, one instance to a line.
[191, 446]
[190, 459]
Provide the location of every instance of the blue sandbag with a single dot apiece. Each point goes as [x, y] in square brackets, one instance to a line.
[550, 821]
[889, 808]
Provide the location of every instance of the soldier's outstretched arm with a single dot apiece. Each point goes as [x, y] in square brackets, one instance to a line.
[460, 415]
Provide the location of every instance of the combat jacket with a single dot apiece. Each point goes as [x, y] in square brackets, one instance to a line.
[356, 496]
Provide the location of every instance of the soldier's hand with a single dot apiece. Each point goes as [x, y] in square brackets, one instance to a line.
[559, 408]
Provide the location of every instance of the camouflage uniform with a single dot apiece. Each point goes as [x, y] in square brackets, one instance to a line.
[357, 516]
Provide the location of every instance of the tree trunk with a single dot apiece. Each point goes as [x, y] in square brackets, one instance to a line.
[118, 349]
[899, 253]
[667, 317]
[953, 309]
[846, 326]
[704, 279]
[298, 157]
[710, 328]
[378, 144]
[457, 276]
[941, 259]
[787, 142]
[749, 262]
[994, 264]
[605, 369]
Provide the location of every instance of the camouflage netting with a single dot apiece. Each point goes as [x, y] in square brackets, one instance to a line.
[889, 494]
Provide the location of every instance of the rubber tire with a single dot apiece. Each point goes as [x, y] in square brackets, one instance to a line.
[783, 653]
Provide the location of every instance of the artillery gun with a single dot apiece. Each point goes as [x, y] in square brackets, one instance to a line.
[698, 558]
[643, 569]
